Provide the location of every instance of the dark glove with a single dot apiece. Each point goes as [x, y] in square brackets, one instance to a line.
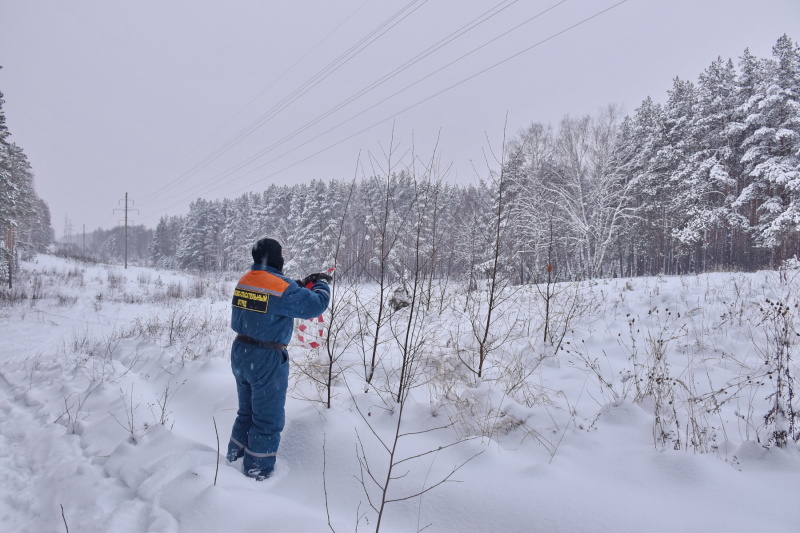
[313, 278]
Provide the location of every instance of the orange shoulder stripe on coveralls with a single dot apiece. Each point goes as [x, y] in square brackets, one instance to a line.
[262, 281]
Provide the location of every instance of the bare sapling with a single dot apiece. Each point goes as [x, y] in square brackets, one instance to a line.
[434, 210]
[385, 221]
[74, 411]
[410, 333]
[340, 310]
[130, 410]
[494, 281]
[321, 366]
[563, 302]
[485, 308]
[160, 411]
[379, 477]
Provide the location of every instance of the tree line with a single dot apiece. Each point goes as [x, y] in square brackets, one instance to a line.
[707, 180]
[106, 245]
[24, 217]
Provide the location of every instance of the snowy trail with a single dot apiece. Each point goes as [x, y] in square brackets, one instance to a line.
[158, 482]
[14, 477]
[45, 467]
[38, 459]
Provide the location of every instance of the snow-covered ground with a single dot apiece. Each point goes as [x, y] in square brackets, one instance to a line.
[650, 416]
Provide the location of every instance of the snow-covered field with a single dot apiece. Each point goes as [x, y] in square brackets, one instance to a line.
[650, 416]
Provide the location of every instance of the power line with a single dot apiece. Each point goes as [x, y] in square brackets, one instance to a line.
[438, 93]
[433, 48]
[304, 88]
[509, 58]
[256, 97]
[258, 155]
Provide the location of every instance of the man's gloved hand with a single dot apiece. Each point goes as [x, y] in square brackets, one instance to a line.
[313, 278]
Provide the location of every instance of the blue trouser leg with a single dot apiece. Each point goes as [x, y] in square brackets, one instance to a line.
[241, 427]
[262, 378]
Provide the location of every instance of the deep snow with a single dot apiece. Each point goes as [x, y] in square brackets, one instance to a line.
[111, 380]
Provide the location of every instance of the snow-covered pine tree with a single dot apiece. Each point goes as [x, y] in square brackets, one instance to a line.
[240, 231]
[704, 189]
[645, 245]
[24, 218]
[316, 229]
[200, 245]
[670, 166]
[772, 156]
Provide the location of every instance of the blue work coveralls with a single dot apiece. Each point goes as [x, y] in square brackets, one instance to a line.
[265, 304]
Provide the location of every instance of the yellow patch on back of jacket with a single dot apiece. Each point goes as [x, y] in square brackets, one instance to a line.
[254, 289]
[252, 301]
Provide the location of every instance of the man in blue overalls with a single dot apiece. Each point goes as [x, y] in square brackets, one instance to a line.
[265, 304]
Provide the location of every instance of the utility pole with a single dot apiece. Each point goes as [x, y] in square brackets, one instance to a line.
[67, 230]
[84, 242]
[126, 209]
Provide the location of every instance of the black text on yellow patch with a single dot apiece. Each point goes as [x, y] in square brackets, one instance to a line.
[250, 300]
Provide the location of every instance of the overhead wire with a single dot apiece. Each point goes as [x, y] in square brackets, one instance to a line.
[299, 91]
[147, 197]
[474, 23]
[450, 87]
[305, 87]
[218, 178]
[416, 104]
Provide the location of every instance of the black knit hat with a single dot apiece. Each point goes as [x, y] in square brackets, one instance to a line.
[268, 252]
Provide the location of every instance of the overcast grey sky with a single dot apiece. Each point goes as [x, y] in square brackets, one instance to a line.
[113, 97]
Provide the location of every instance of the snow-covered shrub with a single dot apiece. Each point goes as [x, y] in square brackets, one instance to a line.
[196, 333]
[791, 264]
[781, 335]
[400, 298]
[175, 290]
[562, 307]
[12, 296]
[483, 411]
[197, 287]
[66, 300]
[36, 287]
[143, 277]
[116, 280]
